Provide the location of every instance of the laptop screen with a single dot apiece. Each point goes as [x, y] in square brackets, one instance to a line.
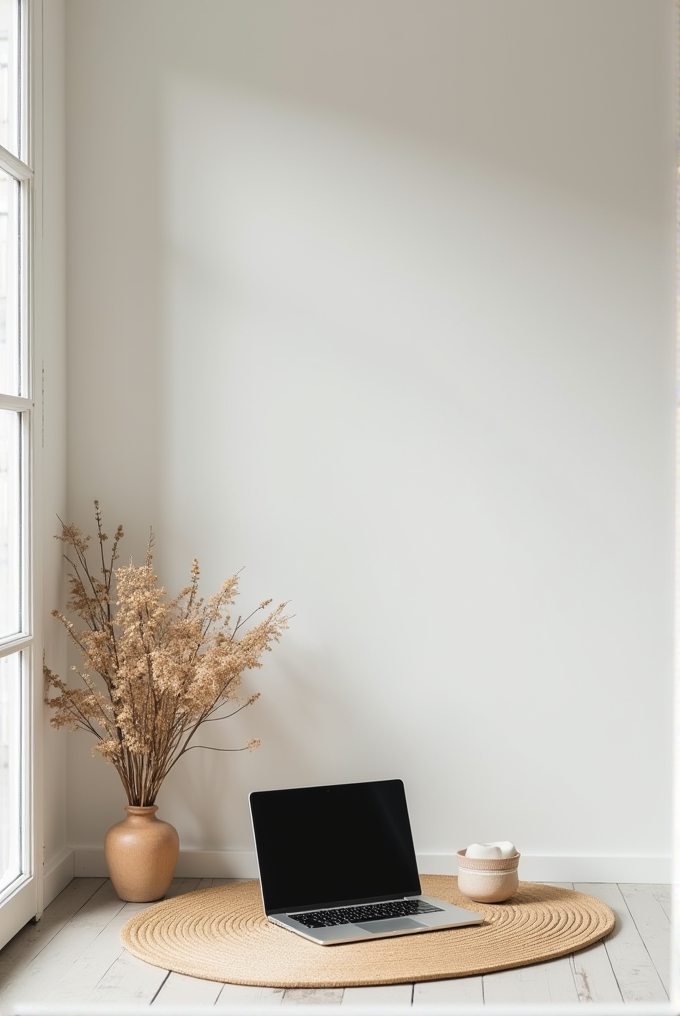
[322, 846]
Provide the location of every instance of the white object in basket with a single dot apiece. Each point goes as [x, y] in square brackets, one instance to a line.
[487, 872]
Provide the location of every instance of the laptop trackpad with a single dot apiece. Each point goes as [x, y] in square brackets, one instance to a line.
[391, 924]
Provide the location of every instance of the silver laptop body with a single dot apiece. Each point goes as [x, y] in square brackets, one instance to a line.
[337, 864]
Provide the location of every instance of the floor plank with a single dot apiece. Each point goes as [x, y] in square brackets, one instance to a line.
[454, 991]
[665, 897]
[34, 938]
[312, 996]
[538, 983]
[82, 977]
[380, 994]
[633, 967]
[126, 981]
[37, 980]
[114, 974]
[247, 994]
[653, 924]
[593, 975]
[178, 989]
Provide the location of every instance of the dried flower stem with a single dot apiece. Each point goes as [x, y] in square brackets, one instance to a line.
[166, 665]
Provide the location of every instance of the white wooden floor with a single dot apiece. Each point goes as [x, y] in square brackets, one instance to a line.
[74, 955]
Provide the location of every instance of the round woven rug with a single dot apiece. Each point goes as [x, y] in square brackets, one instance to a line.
[222, 934]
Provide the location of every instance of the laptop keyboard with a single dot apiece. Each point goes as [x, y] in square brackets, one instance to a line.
[366, 912]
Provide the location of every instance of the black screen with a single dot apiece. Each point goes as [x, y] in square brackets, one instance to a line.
[320, 846]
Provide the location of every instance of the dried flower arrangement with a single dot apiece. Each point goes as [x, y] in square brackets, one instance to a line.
[167, 666]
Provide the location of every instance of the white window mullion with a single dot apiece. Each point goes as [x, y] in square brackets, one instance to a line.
[16, 402]
[14, 645]
[14, 167]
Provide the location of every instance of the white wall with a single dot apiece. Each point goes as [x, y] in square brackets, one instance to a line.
[376, 299]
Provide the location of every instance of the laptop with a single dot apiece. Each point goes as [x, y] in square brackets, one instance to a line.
[337, 864]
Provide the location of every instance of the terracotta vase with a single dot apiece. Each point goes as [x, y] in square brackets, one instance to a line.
[141, 854]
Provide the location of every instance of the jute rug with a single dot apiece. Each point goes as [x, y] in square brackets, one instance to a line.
[221, 934]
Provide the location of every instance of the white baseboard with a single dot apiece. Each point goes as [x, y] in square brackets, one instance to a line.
[533, 868]
[57, 874]
[581, 868]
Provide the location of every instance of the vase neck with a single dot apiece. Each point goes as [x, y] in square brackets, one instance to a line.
[137, 810]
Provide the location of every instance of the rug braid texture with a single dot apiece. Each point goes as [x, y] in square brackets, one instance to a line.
[221, 934]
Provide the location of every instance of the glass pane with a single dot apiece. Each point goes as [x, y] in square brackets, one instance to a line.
[9, 75]
[10, 769]
[10, 345]
[10, 523]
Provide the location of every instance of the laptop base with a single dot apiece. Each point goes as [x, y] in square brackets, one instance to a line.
[447, 916]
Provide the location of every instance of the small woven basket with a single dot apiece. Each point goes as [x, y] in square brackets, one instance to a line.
[487, 879]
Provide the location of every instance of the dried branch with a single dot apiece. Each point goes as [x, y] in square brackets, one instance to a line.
[166, 665]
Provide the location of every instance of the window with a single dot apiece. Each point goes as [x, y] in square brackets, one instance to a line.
[18, 894]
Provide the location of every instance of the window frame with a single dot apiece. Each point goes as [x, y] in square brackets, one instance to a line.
[21, 900]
